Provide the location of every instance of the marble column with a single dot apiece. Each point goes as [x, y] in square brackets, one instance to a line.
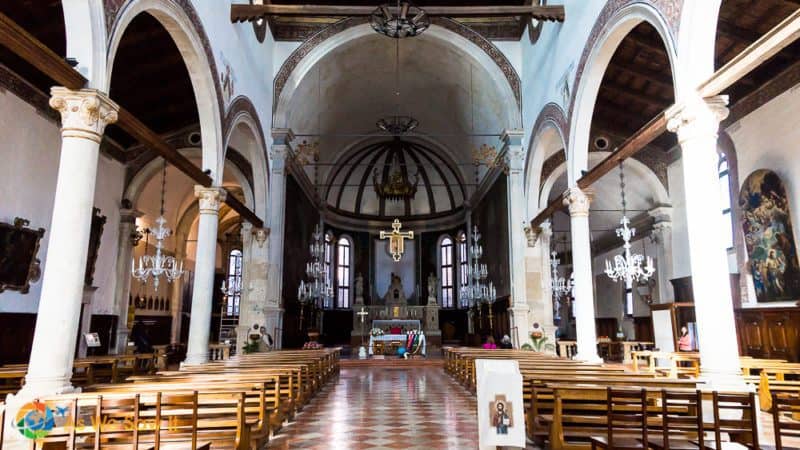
[578, 202]
[541, 301]
[254, 283]
[210, 199]
[273, 309]
[84, 116]
[122, 290]
[662, 231]
[696, 123]
[515, 162]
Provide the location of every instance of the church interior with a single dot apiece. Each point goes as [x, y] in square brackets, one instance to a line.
[542, 224]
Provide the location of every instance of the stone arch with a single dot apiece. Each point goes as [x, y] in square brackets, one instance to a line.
[550, 126]
[483, 52]
[242, 120]
[86, 39]
[616, 20]
[180, 20]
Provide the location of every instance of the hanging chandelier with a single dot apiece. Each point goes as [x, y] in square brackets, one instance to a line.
[479, 288]
[628, 267]
[399, 21]
[397, 125]
[559, 285]
[157, 265]
[318, 288]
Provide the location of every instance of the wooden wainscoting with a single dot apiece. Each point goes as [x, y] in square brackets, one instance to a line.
[769, 332]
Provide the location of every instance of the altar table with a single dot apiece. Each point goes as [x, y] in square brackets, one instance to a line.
[397, 337]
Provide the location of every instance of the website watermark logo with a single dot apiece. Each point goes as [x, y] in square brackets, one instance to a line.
[36, 419]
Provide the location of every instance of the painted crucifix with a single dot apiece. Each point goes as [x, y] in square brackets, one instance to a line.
[397, 239]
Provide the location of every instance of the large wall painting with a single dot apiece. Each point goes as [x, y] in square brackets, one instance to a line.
[769, 239]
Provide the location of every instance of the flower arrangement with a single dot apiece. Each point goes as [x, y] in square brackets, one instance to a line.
[539, 342]
[312, 345]
[376, 332]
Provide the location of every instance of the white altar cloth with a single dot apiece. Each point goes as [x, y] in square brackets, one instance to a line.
[397, 337]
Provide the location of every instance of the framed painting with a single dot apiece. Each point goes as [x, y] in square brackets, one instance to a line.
[19, 246]
[769, 239]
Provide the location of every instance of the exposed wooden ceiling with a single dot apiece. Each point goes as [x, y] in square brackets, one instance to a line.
[636, 87]
[293, 28]
[742, 22]
[45, 21]
[150, 79]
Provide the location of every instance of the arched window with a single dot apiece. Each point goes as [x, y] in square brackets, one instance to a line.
[725, 197]
[446, 270]
[234, 283]
[463, 263]
[344, 262]
[328, 265]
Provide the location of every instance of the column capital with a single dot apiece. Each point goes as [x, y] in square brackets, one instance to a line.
[697, 116]
[512, 137]
[260, 235]
[661, 214]
[84, 112]
[578, 201]
[211, 198]
[129, 215]
[282, 136]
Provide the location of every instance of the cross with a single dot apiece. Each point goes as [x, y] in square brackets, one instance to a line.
[397, 239]
[362, 314]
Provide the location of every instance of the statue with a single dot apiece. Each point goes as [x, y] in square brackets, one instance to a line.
[433, 287]
[395, 294]
[359, 300]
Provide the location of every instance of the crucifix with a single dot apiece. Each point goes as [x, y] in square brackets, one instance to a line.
[362, 315]
[397, 239]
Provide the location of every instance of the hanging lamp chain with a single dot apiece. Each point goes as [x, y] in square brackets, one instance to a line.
[163, 186]
[622, 188]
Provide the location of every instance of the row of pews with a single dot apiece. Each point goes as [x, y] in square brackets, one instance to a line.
[237, 404]
[577, 405]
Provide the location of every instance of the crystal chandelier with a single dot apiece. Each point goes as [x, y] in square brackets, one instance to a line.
[478, 290]
[154, 266]
[401, 21]
[628, 267]
[559, 285]
[318, 288]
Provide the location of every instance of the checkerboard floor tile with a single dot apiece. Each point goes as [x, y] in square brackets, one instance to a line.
[381, 409]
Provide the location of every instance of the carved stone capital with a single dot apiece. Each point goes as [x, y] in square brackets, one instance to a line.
[661, 214]
[129, 216]
[84, 113]
[211, 198]
[697, 117]
[261, 235]
[578, 201]
[531, 235]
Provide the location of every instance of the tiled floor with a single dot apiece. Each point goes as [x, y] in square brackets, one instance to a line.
[381, 408]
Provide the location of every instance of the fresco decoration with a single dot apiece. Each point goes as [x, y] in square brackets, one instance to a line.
[767, 227]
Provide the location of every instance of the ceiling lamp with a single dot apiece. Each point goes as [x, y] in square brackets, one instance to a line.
[159, 264]
[396, 125]
[628, 267]
[399, 21]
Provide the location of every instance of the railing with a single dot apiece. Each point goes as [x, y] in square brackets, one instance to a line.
[218, 352]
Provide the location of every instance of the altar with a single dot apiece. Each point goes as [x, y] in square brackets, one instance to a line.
[402, 339]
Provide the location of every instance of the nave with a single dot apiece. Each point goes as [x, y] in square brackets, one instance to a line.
[385, 407]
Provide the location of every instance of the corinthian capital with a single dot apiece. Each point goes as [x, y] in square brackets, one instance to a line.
[697, 117]
[84, 113]
[578, 201]
[210, 198]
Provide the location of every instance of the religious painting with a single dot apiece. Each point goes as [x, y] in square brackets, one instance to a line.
[500, 410]
[95, 235]
[18, 248]
[767, 227]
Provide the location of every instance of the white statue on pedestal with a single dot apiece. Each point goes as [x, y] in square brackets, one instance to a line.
[433, 288]
[359, 300]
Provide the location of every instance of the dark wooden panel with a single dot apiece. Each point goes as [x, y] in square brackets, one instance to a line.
[16, 337]
[769, 333]
[105, 325]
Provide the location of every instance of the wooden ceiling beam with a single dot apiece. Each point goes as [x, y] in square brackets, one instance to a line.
[652, 76]
[27, 47]
[249, 13]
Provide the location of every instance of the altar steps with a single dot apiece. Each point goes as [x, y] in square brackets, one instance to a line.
[392, 363]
